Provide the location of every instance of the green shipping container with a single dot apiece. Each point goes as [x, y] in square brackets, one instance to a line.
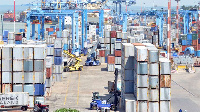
[194, 36]
[183, 36]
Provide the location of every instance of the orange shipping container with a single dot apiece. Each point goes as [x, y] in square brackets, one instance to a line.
[138, 44]
[102, 53]
[48, 72]
[111, 59]
[117, 52]
[183, 48]
[194, 42]
[165, 80]
[6, 88]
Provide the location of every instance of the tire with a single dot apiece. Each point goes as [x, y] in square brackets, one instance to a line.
[113, 107]
[79, 69]
[94, 107]
[90, 64]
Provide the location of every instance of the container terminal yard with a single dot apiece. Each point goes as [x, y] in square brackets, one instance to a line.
[101, 56]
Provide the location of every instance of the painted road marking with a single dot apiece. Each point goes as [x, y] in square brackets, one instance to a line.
[78, 87]
[67, 88]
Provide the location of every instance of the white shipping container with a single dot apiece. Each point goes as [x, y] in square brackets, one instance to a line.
[39, 77]
[141, 53]
[153, 95]
[18, 52]
[142, 94]
[118, 66]
[18, 77]
[118, 45]
[117, 60]
[18, 65]
[31, 101]
[130, 103]
[11, 35]
[142, 106]
[165, 93]
[165, 106]
[142, 81]
[57, 69]
[40, 52]
[28, 52]
[58, 43]
[154, 107]
[111, 67]
[7, 52]
[50, 51]
[49, 62]
[6, 77]
[127, 49]
[7, 65]
[15, 99]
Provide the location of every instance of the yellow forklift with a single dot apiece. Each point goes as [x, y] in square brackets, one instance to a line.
[72, 66]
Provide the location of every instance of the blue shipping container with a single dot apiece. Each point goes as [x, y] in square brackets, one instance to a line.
[65, 47]
[189, 36]
[50, 45]
[58, 60]
[50, 33]
[106, 59]
[195, 53]
[5, 33]
[198, 53]
[18, 42]
[5, 38]
[189, 42]
[199, 40]
[39, 89]
[119, 39]
[59, 34]
[184, 42]
[58, 52]
[21, 30]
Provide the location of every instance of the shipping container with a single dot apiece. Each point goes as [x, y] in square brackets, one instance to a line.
[141, 67]
[39, 77]
[39, 89]
[142, 80]
[118, 60]
[58, 43]
[18, 65]
[39, 65]
[165, 106]
[118, 45]
[153, 54]
[48, 83]
[58, 52]
[165, 66]
[57, 69]
[7, 52]
[111, 67]
[153, 82]
[142, 106]
[102, 53]
[165, 94]
[113, 34]
[118, 67]
[127, 87]
[48, 72]
[127, 63]
[58, 60]
[28, 52]
[7, 77]
[28, 65]
[127, 50]
[130, 103]
[29, 77]
[165, 81]
[29, 88]
[111, 59]
[17, 88]
[142, 94]
[154, 107]
[118, 53]
[31, 101]
[40, 52]
[128, 75]
[7, 65]
[6, 88]
[18, 52]
[153, 69]
[153, 95]
[140, 53]
[18, 77]
[49, 61]
[50, 51]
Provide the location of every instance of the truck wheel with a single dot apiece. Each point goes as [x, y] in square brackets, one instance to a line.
[90, 64]
[94, 107]
[113, 107]
[23, 108]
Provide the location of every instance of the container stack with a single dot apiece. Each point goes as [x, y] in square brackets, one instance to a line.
[107, 41]
[18, 38]
[145, 85]
[165, 85]
[50, 31]
[22, 71]
[7, 69]
[58, 63]
[49, 77]
[127, 68]
[111, 63]
[113, 36]
[124, 37]
[118, 54]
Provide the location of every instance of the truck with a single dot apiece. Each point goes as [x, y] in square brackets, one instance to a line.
[14, 100]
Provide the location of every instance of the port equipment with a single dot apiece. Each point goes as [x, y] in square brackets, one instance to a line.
[73, 13]
[98, 104]
[92, 58]
[40, 108]
[73, 66]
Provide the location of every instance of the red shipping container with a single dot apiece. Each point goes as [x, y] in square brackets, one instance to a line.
[113, 34]
[111, 59]
[18, 37]
[183, 48]
[57, 29]
[198, 46]
[49, 29]
[194, 42]
[102, 53]
[48, 72]
[118, 53]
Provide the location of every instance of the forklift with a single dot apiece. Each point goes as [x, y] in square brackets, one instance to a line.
[71, 65]
[99, 104]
